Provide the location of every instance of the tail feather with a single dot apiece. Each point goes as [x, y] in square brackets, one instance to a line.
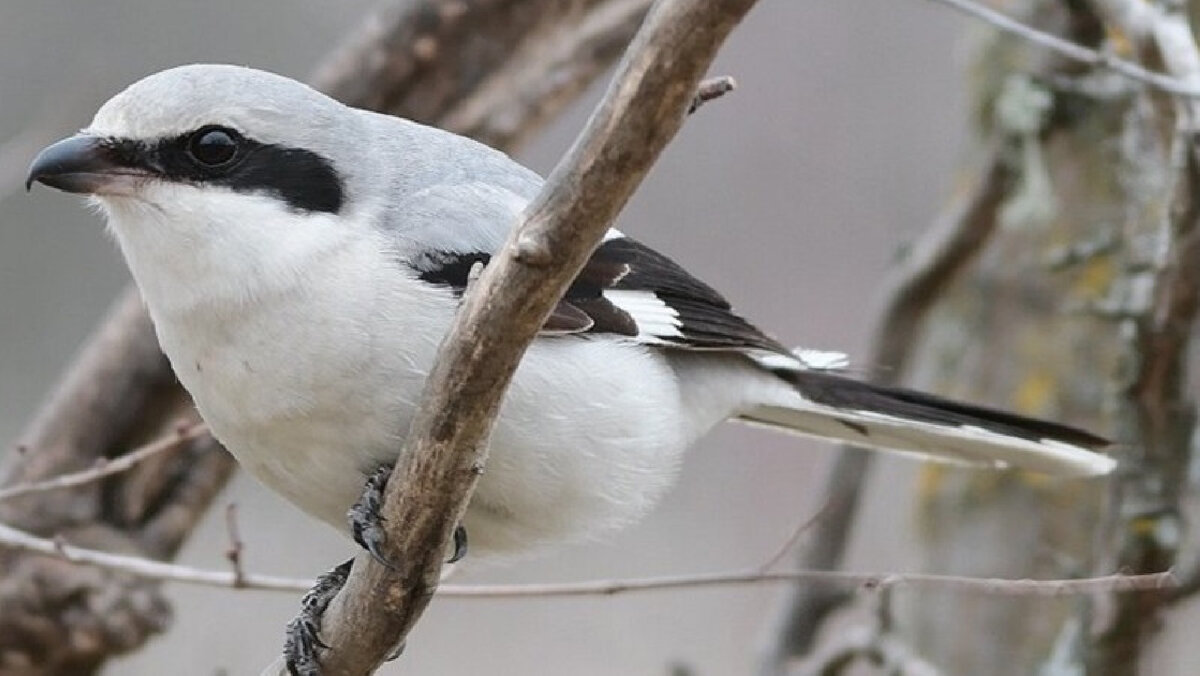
[907, 421]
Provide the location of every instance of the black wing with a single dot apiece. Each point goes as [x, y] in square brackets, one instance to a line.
[628, 289]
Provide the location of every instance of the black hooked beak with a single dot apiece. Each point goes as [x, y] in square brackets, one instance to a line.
[84, 164]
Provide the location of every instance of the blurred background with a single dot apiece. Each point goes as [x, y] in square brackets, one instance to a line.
[791, 196]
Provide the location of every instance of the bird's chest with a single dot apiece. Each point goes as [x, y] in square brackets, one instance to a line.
[269, 364]
[309, 389]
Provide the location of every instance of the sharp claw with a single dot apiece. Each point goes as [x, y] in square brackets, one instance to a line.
[366, 524]
[381, 560]
[460, 545]
[315, 636]
[396, 651]
[303, 640]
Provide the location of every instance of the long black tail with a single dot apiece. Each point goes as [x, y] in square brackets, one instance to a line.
[907, 421]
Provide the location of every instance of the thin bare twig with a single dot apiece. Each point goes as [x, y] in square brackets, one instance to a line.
[236, 546]
[143, 567]
[834, 578]
[711, 89]
[108, 467]
[801, 528]
[168, 572]
[1074, 51]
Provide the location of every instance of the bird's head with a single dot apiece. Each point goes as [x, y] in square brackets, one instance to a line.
[214, 166]
[209, 133]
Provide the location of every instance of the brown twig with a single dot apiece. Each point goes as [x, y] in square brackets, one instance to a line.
[100, 398]
[527, 60]
[435, 475]
[801, 528]
[104, 467]
[233, 553]
[547, 70]
[711, 89]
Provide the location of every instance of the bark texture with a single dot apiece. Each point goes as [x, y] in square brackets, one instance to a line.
[1079, 309]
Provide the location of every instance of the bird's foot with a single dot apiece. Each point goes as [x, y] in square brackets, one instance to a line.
[366, 522]
[460, 545]
[303, 644]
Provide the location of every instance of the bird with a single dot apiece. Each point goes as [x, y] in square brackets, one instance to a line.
[301, 260]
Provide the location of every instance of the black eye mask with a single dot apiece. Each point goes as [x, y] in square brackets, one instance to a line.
[215, 155]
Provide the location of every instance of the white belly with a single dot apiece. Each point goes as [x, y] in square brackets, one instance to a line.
[588, 439]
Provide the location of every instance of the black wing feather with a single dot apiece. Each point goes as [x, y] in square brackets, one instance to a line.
[703, 318]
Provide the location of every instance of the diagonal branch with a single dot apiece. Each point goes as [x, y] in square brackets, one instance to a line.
[643, 108]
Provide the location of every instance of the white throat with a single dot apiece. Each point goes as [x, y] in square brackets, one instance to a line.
[218, 248]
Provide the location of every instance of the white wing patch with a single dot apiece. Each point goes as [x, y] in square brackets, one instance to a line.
[821, 360]
[654, 318]
[800, 360]
[657, 321]
[775, 361]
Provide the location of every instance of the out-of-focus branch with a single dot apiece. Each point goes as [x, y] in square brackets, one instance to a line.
[915, 283]
[1188, 579]
[1158, 414]
[422, 59]
[446, 447]
[1171, 84]
[527, 60]
[851, 581]
[874, 642]
[546, 71]
[106, 468]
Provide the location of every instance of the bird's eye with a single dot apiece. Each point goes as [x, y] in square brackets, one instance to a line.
[213, 146]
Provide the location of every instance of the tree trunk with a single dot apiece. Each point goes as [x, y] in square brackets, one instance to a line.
[1063, 315]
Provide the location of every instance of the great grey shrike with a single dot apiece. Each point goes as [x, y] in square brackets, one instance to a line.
[301, 261]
